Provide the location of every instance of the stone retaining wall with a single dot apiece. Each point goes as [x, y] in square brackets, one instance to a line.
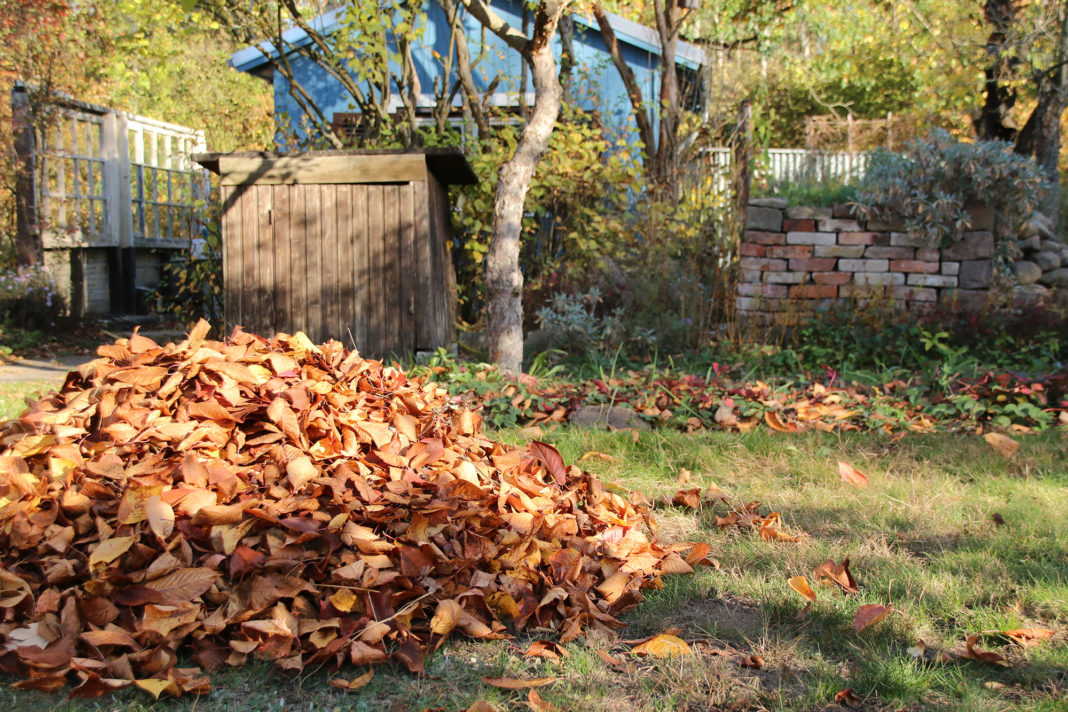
[795, 259]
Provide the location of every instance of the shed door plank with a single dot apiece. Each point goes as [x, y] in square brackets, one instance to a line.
[376, 284]
[331, 324]
[408, 282]
[345, 310]
[231, 256]
[298, 236]
[393, 318]
[361, 278]
[423, 283]
[313, 242]
[249, 235]
[264, 310]
[282, 267]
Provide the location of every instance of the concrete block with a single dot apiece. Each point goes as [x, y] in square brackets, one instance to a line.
[767, 219]
[834, 225]
[863, 265]
[810, 238]
[975, 274]
[838, 278]
[814, 291]
[913, 266]
[980, 216]
[915, 294]
[890, 253]
[789, 225]
[790, 251]
[807, 212]
[928, 254]
[777, 291]
[878, 279]
[777, 203]
[856, 238]
[910, 239]
[785, 277]
[932, 280]
[765, 238]
[965, 299]
[818, 264]
[751, 275]
[950, 268]
[973, 246]
[848, 251]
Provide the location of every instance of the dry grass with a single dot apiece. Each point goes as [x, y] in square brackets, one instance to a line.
[922, 536]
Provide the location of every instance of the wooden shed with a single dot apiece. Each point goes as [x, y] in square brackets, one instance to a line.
[349, 245]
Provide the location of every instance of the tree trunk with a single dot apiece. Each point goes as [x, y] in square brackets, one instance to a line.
[667, 149]
[504, 279]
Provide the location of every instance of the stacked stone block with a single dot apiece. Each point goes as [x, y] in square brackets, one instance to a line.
[795, 259]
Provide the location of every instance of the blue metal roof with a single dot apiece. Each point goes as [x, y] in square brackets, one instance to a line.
[632, 33]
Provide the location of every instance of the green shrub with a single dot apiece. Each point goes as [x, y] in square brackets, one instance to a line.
[930, 184]
[28, 298]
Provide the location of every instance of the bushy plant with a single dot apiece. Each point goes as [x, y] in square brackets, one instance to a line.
[575, 325]
[935, 178]
[192, 285]
[29, 298]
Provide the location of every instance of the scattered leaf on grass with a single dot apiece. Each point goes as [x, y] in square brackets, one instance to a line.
[546, 649]
[868, 615]
[800, 584]
[663, 645]
[1003, 444]
[851, 475]
[1027, 637]
[511, 683]
[970, 652]
[537, 704]
[609, 658]
[688, 498]
[847, 698]
[354, 684]
[754, 662]
[837, 573]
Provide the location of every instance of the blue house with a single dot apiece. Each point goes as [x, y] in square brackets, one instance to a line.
[595, 85]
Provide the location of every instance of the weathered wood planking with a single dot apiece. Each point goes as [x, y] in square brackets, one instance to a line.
[366, 263]
[310, 169]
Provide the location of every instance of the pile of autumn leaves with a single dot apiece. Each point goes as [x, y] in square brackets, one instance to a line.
[276, 499]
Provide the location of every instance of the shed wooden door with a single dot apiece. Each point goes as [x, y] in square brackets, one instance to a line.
[357, 263]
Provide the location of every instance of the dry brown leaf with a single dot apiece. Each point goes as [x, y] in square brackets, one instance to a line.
[847, 697]
[850, 475]
[754, 662]
[160, 516]
[1003, 444]
[537, 704]
[800, 584]
[868, 615]
[664, 645]
[355, 683]
[971, 652]
[688, 498]
[1028, 637]
[511, 683]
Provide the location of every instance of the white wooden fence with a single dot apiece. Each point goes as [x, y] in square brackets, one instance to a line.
[106, 187]
[779, 165]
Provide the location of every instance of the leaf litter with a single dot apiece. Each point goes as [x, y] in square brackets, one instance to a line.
[275, 499]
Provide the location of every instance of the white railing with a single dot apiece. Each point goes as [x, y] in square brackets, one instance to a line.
[105, 178]
[779, 165]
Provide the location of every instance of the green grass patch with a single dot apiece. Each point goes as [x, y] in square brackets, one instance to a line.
[14, 396]
[922, 537]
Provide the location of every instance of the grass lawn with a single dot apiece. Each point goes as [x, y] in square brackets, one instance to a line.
[923, 537]
[13, 395]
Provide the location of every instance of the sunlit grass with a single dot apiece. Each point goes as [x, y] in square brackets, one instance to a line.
[922, 537]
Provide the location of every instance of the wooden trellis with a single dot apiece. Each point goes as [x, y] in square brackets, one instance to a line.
[98, 187]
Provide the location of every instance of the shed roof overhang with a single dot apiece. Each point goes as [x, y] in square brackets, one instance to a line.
[253, 58]
[447, 165]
